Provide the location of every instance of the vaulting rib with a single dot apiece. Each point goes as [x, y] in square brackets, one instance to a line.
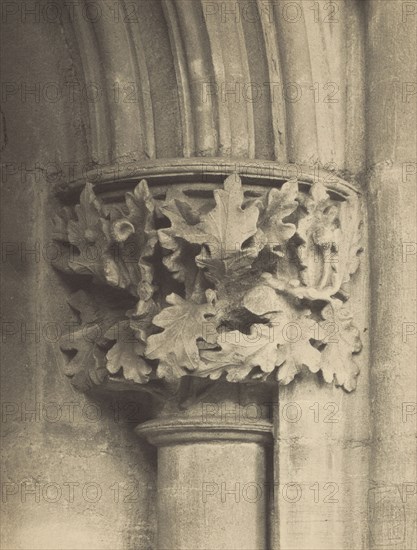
[328, 96]
[206, 120]
[231, 81]
[275, 81]
[99, 111]
[302, 140]
[123, 88]
[143, 89]
[182, 76]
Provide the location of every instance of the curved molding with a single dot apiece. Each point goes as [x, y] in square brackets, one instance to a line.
[182, 77]
[222, 270]
[101, 134]
[275, 77]
[207, 170]
[177, 431]
[264, 82]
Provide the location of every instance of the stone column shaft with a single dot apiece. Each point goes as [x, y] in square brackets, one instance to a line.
[224, 292]
[212, 489]
[391, 129]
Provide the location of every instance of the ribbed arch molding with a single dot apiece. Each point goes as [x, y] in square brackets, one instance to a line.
[252, 80]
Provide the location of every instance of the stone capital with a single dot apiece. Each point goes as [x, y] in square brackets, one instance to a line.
[244, 281]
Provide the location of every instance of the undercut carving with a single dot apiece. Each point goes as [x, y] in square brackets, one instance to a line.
[244, 287]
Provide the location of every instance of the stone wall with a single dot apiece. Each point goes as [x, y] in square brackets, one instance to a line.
[74, 474]
[87, 94]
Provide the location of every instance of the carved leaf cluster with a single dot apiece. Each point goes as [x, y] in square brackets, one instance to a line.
[256, 284]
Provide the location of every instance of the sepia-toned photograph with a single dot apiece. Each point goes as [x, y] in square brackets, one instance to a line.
[208, 274]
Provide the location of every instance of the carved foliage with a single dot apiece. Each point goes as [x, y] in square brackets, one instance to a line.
[260, 285]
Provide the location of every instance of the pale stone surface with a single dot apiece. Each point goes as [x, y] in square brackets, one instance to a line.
[54, 440]
[392, 184]
[214, 488]
[212, 495]
[172, 78]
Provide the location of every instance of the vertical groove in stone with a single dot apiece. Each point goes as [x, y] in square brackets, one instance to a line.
[218, 86]
[355, 87]
[325, 33]
[257, 91]
[122, 87]
[150, 32]
[206, 119]
[182, 77]
[302, 144]
[275, 81]
[247, 116]
[143, 91]
[99, 111]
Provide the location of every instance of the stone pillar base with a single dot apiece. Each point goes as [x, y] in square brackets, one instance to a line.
[212, 489]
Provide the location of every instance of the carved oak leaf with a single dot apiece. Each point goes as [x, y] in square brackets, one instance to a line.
[182, 216]
[60, 236]
[141, 320]
[141, 214]
[87, 338]
[184, 323]
[84, 342]
[263, 300]
[336, 359]
[228, 225]
[134, 237]
[221, 232]
[224, 228]
[241, 353]
[90, 234]
[277, 205]
[230, 274]
[60, 224]
[318, 231]
[181, 263]
[298, 351]
[292, 328]
[224, 257]
[127, 354]
[177, 257]
[349, 245]
[292, 287]
[86, 379]
[180, 256]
